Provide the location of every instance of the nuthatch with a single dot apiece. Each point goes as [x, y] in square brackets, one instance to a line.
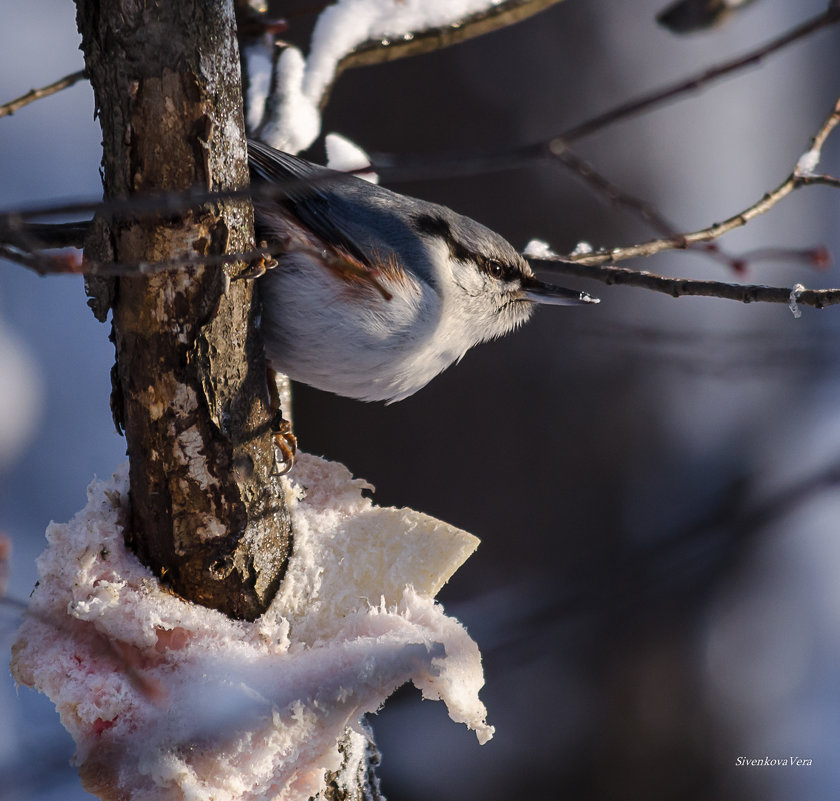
[374, 292]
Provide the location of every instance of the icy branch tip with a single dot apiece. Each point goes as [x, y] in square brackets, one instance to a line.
[793, 302]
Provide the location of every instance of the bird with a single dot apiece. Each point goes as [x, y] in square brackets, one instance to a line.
[375, 293]
[370, 293]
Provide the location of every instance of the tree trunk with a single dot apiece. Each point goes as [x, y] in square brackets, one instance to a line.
[208, 513]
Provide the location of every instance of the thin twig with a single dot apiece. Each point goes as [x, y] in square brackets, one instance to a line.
[70, 264]
[160, 203]
[67, 263]
[603, 186]
[794, 181]
[45, 91]
[681, 287]
[683, 241]
[830, 16]
[600, 264]
[643, 209]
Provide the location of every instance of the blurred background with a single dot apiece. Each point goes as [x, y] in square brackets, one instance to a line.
[654, 480]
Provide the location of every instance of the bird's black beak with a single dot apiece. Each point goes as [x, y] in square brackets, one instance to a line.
[549, 295]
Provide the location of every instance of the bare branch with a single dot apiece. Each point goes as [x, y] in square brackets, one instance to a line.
[418, 167]
[830, 16]
[798, 178]
[683, 241]
[599, 265]
[43, 263]
[45, 91]
[642, 208]
[70, 263]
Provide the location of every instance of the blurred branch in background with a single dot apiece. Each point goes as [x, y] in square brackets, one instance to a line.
[402, 167]
[45, 91]
[688, 16]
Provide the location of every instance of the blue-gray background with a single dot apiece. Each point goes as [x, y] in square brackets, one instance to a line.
[650, 602]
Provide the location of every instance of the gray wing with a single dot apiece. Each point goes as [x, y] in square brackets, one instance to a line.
[305, 191]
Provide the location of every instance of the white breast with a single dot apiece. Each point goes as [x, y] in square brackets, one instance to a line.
[345, 337]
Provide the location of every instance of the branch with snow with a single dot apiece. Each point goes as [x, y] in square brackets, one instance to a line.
[287, 93]
[169, 700]
[585, 262]
[266, 108]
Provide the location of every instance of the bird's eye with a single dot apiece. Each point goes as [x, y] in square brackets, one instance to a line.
[495, 268]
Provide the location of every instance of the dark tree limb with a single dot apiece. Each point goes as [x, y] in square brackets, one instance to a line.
[599, 264]
[830, 16]
[611, 274]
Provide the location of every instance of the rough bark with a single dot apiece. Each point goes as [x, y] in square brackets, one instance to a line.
[208, 514]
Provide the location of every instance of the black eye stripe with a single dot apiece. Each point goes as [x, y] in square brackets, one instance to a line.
[496, 268]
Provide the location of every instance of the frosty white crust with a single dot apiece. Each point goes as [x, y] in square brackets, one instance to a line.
[168, 700]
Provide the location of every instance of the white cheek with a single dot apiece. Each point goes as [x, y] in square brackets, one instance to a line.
[471, 281]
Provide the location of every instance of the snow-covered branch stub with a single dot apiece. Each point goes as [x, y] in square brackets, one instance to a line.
[290, 119]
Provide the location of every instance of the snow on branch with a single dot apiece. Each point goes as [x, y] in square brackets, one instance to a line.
[170, 700]
[599, 264]
[351, 33]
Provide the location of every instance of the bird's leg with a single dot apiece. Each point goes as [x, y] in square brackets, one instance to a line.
[285, 442]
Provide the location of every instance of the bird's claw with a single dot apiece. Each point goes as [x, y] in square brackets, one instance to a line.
[285, 444]
[259, 265]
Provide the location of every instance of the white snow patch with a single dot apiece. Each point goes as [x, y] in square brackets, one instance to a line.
[538, 249]
[296, 121]
[258, 66]
[582, 249]
[169, 700]
[343, 155]
[808, 162]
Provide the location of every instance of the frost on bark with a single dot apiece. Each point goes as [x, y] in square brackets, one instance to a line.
[207, 512]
